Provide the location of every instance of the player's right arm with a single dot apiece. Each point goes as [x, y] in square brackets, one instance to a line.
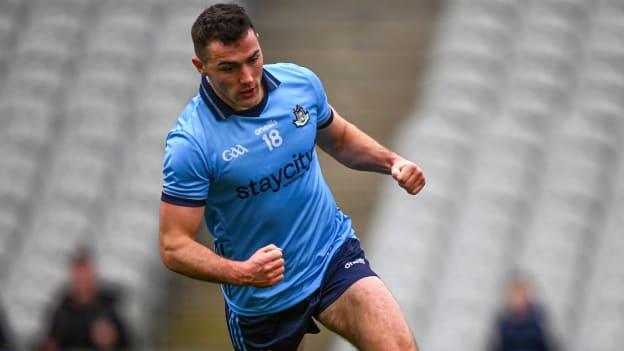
[181, 253]
[186, 183]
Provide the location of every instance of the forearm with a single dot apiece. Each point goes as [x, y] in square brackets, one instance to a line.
[357, 150]
[188, 257]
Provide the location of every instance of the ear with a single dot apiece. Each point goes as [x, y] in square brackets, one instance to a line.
[199, 65]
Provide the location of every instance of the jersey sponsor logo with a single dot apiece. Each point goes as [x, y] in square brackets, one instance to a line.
[265, 128]
[233, 152]
[301, 116]
[279, 179]
[354, 262]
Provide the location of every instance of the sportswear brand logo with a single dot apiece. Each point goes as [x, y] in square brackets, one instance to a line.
[354, 262]
[301, 116]
[233, 152]
[265, 128]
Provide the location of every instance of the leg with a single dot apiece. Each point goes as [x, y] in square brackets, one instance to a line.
[368, 316]
[301, 345]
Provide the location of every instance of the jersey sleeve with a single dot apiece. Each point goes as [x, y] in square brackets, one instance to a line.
[325, 114]
[185, 172]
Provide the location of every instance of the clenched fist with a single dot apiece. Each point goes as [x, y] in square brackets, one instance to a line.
[265, 267]
[409, 176]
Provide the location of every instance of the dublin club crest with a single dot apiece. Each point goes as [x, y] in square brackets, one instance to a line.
[301, 116]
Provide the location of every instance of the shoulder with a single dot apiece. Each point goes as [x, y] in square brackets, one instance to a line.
[190, 119]
[537, 312]
[287, 72]
[188, 146]
[192, 126]
[109, 294]
[64, 301]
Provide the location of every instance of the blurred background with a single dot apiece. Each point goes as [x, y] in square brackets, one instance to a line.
[513, 108]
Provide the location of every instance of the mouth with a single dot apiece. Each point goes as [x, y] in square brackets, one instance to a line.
[248, 93]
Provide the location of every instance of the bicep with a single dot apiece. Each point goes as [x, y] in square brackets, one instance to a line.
[179, 250]
[331, 137]
[177, 221]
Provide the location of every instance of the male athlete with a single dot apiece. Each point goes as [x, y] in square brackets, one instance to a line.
[242, 156]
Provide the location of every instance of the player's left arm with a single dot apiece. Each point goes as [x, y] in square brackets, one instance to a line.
[355, 149]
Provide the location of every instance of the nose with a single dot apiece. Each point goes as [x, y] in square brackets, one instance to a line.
[246, 76]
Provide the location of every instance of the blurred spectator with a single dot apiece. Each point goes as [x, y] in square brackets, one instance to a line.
[521, 325]
[5, 339]
[86, 317]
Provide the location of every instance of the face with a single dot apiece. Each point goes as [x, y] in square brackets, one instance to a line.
[518, 300]
[235, 71]
[83, 282]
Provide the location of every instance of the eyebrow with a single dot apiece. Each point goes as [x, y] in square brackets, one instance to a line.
[236, 63]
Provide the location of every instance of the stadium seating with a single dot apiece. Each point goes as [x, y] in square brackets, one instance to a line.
[72, 138]
[519, 131]
[520, 135]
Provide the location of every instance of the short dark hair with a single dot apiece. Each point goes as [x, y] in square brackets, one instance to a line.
[226, 23]
[81, 256]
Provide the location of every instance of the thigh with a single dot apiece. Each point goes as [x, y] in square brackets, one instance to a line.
[301, 346]
[368, 316]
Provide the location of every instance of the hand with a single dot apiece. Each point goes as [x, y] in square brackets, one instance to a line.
[265, 267]
[409, 176]
[104, 334]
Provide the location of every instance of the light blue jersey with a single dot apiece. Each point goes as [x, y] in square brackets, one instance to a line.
[257, 174]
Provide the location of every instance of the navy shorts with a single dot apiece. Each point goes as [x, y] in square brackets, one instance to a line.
[283, 331]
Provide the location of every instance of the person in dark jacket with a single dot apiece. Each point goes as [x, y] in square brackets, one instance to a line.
[86, 317]
[521, 326]
[5, 338]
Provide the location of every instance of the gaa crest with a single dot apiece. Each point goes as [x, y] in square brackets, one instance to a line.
[301, 116]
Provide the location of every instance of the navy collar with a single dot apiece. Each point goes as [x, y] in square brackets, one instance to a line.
[222, 111]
